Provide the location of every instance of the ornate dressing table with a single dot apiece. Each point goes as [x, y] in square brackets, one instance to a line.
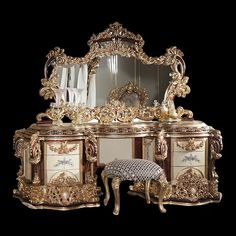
[120, 103]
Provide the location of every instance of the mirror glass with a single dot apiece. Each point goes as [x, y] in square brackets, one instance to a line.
[113, 72]
[116, 71]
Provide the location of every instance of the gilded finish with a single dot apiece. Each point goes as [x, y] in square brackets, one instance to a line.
[117, 40]
[63, 149]
[161, 147]
[115, 183]
[129, 90]
[35, 149]
[115, 32]
[191, 186]
[62, 192]
[107, 191]
[216, 145]
[115, 111]
[191, 145]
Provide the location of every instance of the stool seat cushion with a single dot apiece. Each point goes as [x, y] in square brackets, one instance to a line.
[135, 170]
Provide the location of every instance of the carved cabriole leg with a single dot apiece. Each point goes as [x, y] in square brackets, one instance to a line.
[147, 187]
[105, 182]
[163, 186]
[116, 189]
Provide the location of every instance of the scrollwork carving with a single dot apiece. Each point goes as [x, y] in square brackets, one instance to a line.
[117, 40]
[161, 147]
[191, 186]
[216, 145]
[91, 147]
[191, 145]
[35, 149]
[62, 192]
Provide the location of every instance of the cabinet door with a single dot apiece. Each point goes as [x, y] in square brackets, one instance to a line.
[188, 153]
[62, 157]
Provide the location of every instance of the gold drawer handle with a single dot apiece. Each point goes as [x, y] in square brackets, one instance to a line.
[191, 145]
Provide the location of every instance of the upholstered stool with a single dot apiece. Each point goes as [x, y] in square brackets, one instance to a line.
[134, 170]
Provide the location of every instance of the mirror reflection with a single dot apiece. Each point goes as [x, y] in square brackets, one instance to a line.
[113, 72]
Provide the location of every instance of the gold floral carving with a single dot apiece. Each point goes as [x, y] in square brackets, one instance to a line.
[64, 192]
[216, 145]
[54, 114]
[91, 146]
[35, 149]
[117, 40]
[191, 186]
[161, 147]
[191, 145]
[114, 32]
[115, 111]
[130, 89]
[63, 149]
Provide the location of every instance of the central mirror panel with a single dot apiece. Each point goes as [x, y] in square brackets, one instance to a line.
[116, 71]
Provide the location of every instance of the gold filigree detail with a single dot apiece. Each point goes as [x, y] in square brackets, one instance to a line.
[55, 114]
[115, 32]
[57, 194]
[35, 149]
[115, 111]
[130, 94]
[216, 145]
[191, 145]
[63, 149]
[116, 40]
[161, 147]
[91, 146]
[191, 186]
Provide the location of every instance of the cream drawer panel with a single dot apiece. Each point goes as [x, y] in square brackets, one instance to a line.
[177, 171]
[71, 175]
[191, 144]
[188, 158]
[62, 162]
[62, 147]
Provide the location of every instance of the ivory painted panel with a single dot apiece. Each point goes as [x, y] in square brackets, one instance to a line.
[188, 158]
[111, 149]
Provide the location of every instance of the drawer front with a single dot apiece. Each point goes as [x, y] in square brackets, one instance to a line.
[189, 144]
[63, 157]
[188, 158]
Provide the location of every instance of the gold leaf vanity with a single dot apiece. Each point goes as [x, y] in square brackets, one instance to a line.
[120, 103]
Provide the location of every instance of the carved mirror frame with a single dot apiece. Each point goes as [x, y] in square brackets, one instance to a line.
[116, 40]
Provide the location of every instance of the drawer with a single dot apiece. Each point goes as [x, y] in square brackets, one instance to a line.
[63, 162]
[62, 147]
[188, 158]
[177, 171]
[190, 144]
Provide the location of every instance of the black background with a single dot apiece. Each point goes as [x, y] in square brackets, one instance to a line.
[30, 31]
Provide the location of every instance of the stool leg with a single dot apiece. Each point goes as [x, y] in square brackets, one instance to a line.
[105, 182]
[163, 186]
[116, 189]
[147, 187]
